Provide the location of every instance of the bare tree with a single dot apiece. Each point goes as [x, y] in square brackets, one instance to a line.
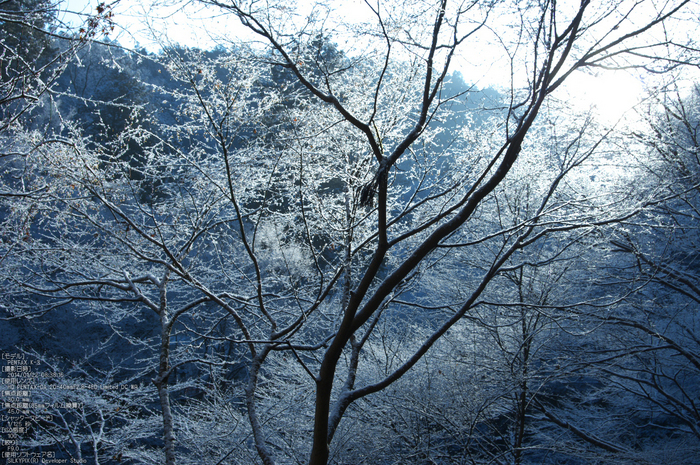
[31, 58]
[655, 357]
[307, 200]
[548, 46]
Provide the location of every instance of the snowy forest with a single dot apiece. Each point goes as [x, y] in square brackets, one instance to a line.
[321, 241]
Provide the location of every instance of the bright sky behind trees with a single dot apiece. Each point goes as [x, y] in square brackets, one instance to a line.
[611, 94]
